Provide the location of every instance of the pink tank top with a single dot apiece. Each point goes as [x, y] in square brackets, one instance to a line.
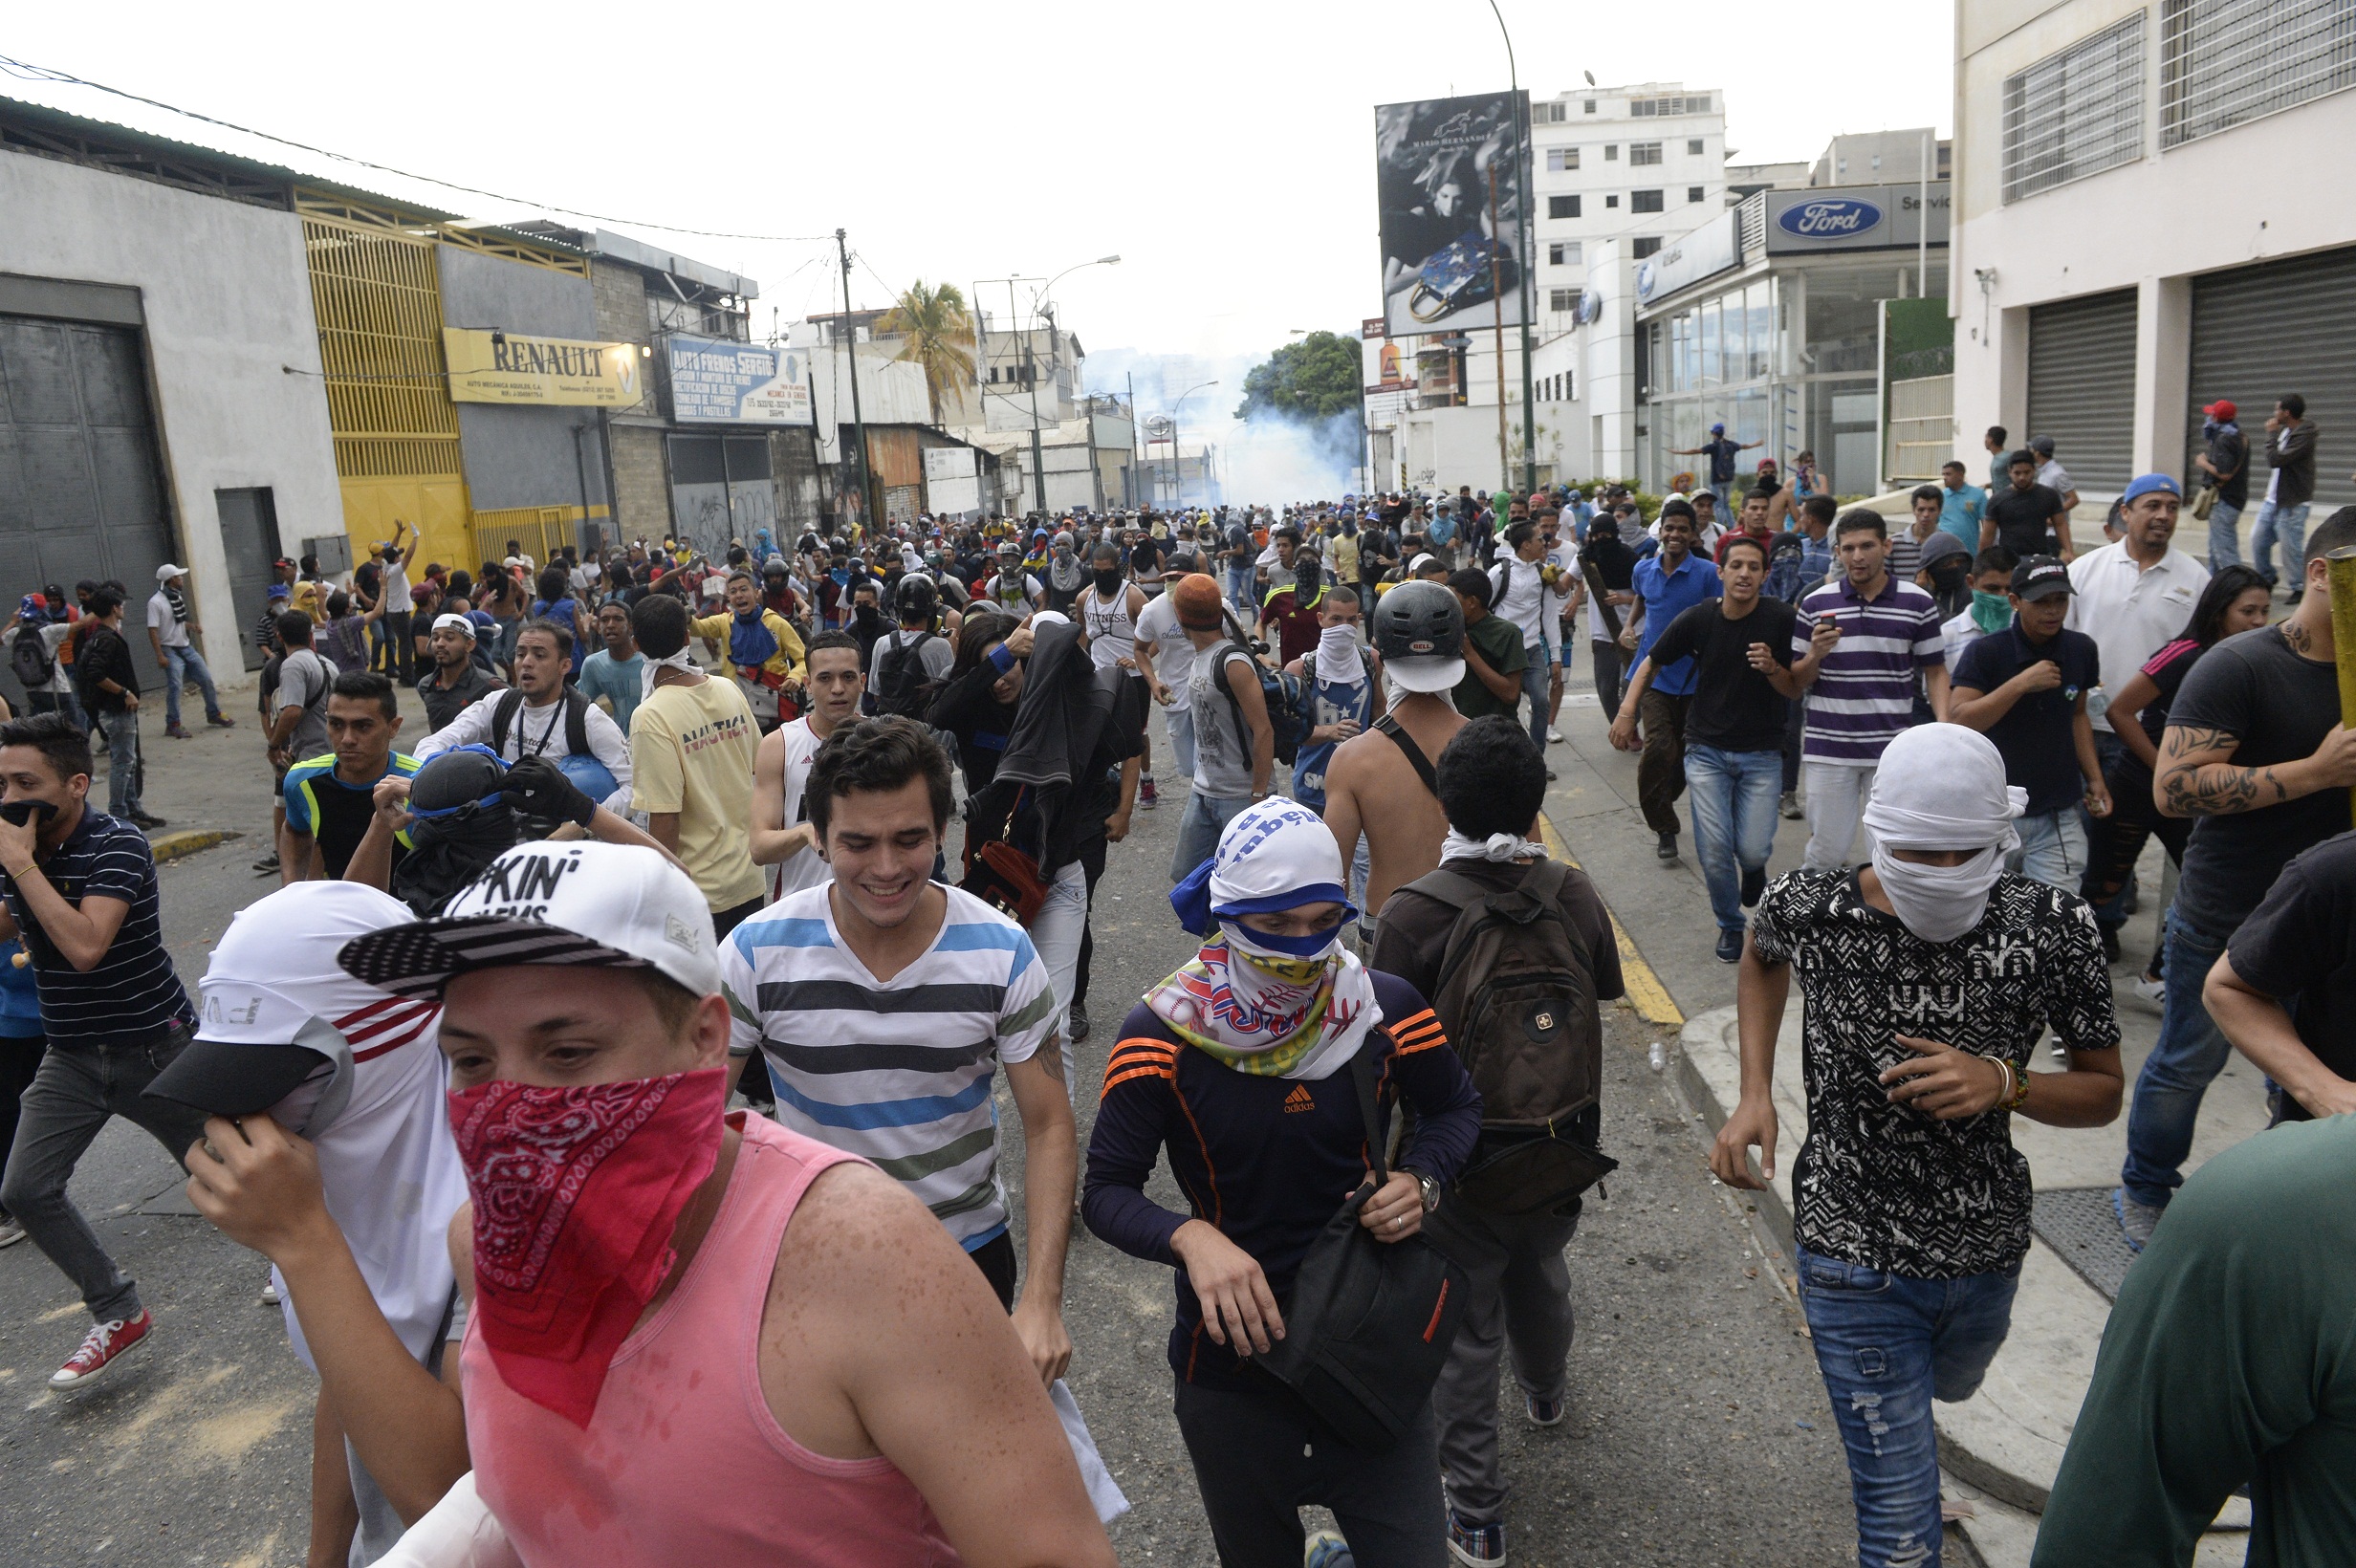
[683, 1461]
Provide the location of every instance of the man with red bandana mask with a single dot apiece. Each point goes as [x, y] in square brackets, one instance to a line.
[695, 1336]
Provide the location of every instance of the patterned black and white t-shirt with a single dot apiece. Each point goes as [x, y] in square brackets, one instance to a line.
[1886, 1185]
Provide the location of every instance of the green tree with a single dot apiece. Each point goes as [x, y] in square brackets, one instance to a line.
[936, 332]
[1315, 379]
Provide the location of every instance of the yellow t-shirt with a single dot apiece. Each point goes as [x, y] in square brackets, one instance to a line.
[691, 751]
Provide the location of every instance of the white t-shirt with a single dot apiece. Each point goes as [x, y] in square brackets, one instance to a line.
[396, 588]
[1171, 650]
[1521, 597]
[170, 629]
[803, 868]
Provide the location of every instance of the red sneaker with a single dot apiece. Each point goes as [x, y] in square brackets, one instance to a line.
[106, 1345]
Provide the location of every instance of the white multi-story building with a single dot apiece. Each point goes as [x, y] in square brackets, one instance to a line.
[1642, 163]
[2147, 220]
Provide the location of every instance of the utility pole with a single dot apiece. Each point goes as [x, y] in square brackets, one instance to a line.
[859, 423]
[1031, 374]
[1137, 467]
[1524, 248]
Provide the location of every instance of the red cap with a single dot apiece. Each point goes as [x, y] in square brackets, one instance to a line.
[2221, 411]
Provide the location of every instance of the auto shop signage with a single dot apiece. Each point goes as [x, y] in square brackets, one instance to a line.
[491, 366]
[1855, 218]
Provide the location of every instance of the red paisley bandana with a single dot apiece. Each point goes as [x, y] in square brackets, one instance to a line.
[576, 1193]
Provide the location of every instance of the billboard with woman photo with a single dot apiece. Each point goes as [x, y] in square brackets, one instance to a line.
[1450, 178]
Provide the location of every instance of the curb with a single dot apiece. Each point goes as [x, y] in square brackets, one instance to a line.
[187, 841]
[1645, 990]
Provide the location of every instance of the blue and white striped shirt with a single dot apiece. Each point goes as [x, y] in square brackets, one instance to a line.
[898, 1072]
[1863, 693]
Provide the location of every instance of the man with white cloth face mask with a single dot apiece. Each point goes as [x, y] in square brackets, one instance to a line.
[1928, 976]
[1236, 1069]
[329, 1151]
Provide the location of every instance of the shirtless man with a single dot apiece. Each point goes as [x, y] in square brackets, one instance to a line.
[1373, 785]
[836, 1323]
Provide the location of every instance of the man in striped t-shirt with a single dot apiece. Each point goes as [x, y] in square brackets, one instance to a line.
[883, 1002]
[1863, 679]
[80, 890]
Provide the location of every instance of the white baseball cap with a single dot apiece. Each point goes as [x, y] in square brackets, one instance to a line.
[454, 622]
[167, 572]
[616, 906]
[277, 1007]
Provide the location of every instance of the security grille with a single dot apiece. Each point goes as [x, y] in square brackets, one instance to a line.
[2223, 62]
[2076, 112]
[2081, 387]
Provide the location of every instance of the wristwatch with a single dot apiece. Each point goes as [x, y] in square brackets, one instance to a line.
[1430, 1189]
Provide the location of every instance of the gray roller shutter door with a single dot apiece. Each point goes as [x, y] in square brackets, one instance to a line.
[2081, 387]
[80, 493]
[2280, 326]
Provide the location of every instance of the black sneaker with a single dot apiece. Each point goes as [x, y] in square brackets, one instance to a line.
[1076, 1026]
[1667, 848]
[1730, 946]
[142, 819]
[1753, 883]
[2110, 943]
[266, 865]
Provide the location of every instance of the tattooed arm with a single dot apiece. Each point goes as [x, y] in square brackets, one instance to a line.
[2196, 775]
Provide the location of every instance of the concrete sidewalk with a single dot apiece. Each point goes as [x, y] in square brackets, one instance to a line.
[2002, 1448]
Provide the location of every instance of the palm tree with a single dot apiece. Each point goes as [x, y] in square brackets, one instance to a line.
[936, 331]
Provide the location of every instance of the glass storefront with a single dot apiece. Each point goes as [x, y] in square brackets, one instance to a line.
[1786, 357]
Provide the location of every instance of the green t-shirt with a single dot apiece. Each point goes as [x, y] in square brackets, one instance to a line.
[2231, 1358]
[1499, 642]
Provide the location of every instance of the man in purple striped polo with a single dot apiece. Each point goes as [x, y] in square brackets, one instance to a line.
[1862, 686]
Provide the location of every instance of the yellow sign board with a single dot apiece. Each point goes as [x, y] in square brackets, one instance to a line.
[515, 368]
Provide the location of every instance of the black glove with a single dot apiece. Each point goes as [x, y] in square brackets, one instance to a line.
[537, 787]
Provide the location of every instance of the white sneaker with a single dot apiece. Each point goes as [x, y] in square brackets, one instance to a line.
[10, 1230]
[2154, 992]
[1554, 734]
[270, 1290]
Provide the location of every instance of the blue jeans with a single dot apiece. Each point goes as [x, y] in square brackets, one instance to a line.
[1239, 587]
[1887, 1345]
[2053, 848]
[1731, 796]
[1538, 684]
[2289, 524]
[1198, 830]
[181, 664]
[2186, 1056]
[2224, 537]
[122, 765]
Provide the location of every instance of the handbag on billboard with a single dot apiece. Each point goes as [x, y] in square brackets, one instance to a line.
[1464, 272]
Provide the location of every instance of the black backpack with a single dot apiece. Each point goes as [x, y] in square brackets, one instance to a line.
[1514, 991]
[576, 721]
[30, 659]
[906, 689]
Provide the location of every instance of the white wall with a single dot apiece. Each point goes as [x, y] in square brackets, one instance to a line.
[1609, 346]
[227, 297]
[2257, 191]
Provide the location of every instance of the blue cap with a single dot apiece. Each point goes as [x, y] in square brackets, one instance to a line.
[277, 590]
[1717, 429]
[2145, 484]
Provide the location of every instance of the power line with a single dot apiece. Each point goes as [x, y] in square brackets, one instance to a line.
[27, 72]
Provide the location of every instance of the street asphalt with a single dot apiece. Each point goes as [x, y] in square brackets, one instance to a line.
[1698, 1429]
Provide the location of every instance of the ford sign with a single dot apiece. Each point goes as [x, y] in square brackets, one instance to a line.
[1835, 218]
[1590, 306]
[1646, 276]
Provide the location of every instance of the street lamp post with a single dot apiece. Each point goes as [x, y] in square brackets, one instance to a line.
[1177, 469]
[1039, 471]
[1524, 250]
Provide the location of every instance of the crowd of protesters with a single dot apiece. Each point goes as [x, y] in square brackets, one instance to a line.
[634, 1004]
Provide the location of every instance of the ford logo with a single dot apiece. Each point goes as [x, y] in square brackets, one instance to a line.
[1647, 277]
[1831, 219]
[1591, 307]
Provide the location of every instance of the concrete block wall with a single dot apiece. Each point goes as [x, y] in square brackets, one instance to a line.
[641, 489]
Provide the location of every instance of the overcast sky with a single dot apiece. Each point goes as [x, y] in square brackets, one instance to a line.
[1223, 149]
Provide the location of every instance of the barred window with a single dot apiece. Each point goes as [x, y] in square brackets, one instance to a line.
[2225, 62]
[2076, 112]
[1562, 206]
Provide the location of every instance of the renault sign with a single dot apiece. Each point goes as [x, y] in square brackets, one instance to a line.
[489, 366]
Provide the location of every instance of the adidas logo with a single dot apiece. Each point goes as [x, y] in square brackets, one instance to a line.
[1300, 1100]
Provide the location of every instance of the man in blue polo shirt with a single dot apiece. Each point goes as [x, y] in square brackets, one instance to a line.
[1961, 505]
[2025, 688]
[1665, 584]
